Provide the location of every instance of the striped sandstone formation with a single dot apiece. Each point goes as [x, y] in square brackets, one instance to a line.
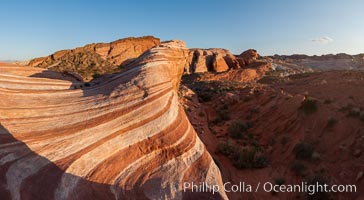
[125, 138]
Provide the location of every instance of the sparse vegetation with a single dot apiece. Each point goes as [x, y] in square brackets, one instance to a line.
[279, 180]
[188, 109]
[346, 108]
[250, 158]
[352, 111]
[226, 148]
[205, 96]
[284, 140]
[319, 195]
[222, 115]
[327, 101]
[188, 98]
[243, 158]
[201, 114]
[303, 151]
[237, 129]
[95, 75]
[331, 121]
[298, 168]
[309, 105]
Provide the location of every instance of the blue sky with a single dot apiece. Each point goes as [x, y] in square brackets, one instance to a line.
[39, 27]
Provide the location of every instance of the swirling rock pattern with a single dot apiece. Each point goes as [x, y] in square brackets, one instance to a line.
[126, 138]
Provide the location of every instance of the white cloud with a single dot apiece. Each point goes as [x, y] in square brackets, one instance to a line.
[322, 40]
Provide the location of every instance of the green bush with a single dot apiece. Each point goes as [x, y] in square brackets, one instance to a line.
[303, 150]
[237, 129]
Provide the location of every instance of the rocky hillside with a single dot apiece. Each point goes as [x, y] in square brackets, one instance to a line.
[97, 58]
[124, 138]
[285, 130]
[301, 62]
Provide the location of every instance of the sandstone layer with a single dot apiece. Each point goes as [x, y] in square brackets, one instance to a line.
[125, 138]
[97, 58]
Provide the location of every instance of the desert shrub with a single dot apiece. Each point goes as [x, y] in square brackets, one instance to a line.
[298, 168]
[303, 150]
[361, 116]
[346, 108]
[260, 161]
[354, 112]
[272, 141]
[225, 107]
[309, 105]
[188, 98]
[318, 195]
[188, 109]
[250, 158]
[222, 115]
[95, 75]
[247, 98]
[225, 148]
[237, 129]
[205, 96]
[244, 159]
[201, 114]
[284, 140]
[279, 181]
[331, 121]
[327, 101]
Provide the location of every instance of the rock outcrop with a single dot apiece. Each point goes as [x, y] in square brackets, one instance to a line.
[216, 60]
[248, 57]
[98, 58]
[219, 60]
[124, 138]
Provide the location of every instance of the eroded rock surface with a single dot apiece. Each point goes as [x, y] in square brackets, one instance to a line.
[125, 138]
[97, 58]
[216, 60]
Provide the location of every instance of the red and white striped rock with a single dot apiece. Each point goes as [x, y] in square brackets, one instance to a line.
[126, 138]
